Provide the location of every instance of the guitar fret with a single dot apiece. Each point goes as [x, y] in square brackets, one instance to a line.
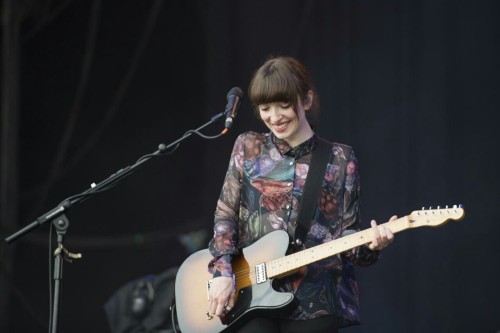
[289, 263]
[305, 257]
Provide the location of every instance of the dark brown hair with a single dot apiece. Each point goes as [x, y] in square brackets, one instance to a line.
[283, 79]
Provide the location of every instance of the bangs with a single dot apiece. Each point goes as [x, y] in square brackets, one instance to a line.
[283, 80]
[275, 83]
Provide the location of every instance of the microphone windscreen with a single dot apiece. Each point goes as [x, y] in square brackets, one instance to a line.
[235, 91]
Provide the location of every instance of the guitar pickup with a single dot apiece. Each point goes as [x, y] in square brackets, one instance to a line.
[260, 272]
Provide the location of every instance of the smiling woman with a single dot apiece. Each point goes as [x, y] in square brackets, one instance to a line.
[284, 80]
[283, 93]
[264, 191]
[287, 123]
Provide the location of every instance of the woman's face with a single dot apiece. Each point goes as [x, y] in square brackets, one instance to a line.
[285, 123]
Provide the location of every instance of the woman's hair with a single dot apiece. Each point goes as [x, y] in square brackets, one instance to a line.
[282, 80]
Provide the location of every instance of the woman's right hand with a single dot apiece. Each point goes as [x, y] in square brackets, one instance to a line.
[221, 296]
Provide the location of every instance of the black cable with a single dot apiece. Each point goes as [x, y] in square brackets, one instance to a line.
[172, 314]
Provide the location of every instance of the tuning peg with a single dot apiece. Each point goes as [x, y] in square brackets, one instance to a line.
[460, 206]
[438, 207]
[423, 208]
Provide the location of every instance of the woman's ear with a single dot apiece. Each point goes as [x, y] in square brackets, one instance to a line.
[309, 100]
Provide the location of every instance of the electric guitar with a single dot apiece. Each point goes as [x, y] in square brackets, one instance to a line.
[260, 263]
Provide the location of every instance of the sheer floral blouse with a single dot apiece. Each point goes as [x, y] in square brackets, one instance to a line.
[262, 193]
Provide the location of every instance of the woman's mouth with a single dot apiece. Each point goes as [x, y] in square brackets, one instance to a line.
[280, 127]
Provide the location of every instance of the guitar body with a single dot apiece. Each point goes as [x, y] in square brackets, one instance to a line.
[252, 298]
[269, 255]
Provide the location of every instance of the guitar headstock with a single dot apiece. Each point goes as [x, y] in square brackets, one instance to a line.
[435, 217]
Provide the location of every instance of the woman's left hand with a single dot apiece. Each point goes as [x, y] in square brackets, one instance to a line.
[381, 236]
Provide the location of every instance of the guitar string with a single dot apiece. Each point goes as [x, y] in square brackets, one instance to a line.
[252, 275]
[348, 239]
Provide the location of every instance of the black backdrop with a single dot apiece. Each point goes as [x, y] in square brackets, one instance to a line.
[412, 85]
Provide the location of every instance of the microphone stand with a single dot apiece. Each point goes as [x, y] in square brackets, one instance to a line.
[58, 217]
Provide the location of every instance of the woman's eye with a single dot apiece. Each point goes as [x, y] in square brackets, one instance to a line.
[264, 108]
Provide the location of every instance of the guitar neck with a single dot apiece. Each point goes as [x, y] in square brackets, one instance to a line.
[288, 264]
[420, 218]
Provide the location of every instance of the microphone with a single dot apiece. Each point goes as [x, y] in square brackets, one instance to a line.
[234, 97]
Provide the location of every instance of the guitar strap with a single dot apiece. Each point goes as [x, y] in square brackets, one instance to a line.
[312, 188]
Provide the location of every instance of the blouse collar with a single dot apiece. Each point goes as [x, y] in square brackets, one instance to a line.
[297, 151]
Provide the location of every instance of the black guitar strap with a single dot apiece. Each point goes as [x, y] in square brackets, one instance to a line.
[312, 189]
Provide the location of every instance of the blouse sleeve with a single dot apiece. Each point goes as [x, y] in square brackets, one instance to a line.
[224, 243]
[361, 255]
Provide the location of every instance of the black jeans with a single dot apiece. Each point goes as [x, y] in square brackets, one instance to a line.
[325, 324]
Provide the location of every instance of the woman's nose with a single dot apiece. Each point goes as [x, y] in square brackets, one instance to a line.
[274, 113]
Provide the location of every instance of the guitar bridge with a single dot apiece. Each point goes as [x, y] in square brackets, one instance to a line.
[260, 272]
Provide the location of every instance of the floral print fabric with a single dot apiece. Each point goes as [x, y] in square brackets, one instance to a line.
[262, 192]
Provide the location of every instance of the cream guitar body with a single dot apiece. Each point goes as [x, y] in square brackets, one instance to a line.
[260, 263]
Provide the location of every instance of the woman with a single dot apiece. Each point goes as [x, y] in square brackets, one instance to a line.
[262, 192]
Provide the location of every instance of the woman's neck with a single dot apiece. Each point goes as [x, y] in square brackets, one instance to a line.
[304, 134]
